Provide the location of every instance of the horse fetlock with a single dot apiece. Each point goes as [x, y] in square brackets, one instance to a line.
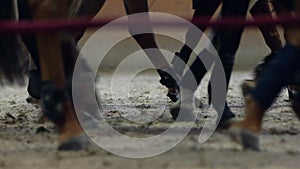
[57, 106]
[53, 100]
[167, 79]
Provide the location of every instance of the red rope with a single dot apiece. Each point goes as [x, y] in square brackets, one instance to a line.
[10, 27]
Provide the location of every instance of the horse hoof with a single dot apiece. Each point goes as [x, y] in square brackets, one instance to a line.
[247, 86]
[75, 144]
[187, 116]
[249, 140]
[33, 100]
[225, 124]
[174, 112]
[173, 96]
[228, 117]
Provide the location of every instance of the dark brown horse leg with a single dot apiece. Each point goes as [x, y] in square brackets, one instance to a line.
[270, 33]
[51, 62]
[87, 8]
[147, 41]
[202, 9]
[247, 130]
[84, 8]
[10, 52]
[272, 39]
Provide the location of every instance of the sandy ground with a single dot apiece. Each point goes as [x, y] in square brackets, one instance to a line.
[28, 142]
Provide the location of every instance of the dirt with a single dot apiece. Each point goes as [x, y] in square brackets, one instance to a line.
[29, 142]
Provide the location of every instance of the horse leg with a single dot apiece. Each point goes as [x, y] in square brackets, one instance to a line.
[79, 8]
[268, 87]
[270, 33]
[52, 70]
[202, 8]
[10, 53]
[147, 41]
[86, 8]
[271, 37]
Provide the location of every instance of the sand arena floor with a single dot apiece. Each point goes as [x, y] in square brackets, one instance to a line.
[27, 142]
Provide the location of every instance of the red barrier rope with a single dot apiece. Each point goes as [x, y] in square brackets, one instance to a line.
[9, 27]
